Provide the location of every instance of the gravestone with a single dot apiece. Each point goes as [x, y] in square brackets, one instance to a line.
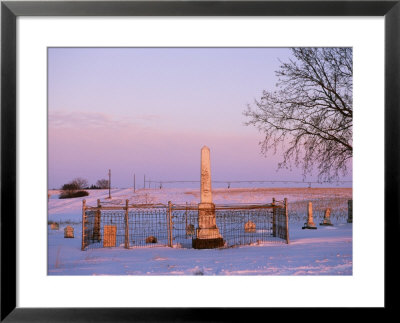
[151, 239]
[249, 227]
[207, 235]
[190, 229]
[110, 236]
[327, 217]
[68, 232]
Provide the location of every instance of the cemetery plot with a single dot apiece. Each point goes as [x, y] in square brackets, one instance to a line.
[177, 225]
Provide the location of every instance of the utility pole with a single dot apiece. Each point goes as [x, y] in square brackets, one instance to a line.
[109, 183]
[134, 183]
[144, 182]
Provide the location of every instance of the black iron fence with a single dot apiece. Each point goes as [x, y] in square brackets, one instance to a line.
[173, 225]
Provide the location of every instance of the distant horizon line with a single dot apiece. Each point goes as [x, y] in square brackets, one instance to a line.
[230, 188]
[250, 181]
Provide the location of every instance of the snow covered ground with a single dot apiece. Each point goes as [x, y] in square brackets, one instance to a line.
[325, 251]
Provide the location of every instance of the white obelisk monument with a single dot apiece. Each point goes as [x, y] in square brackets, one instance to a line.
[207, 235]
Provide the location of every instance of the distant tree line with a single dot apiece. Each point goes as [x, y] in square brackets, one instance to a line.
[77, 187]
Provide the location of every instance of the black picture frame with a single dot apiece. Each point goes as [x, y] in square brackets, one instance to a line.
[10, 10]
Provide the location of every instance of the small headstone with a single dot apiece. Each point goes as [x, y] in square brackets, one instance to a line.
[310, 221]
[110, 236]
[327, 218]
[151, 239]
[54, 226]
[249, 227]
[190, 229]
[68, 232]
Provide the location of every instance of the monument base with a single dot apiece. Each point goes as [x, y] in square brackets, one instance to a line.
[208, 233]
[208, 229]
[326, 223]
[309, 226]
[207, 243]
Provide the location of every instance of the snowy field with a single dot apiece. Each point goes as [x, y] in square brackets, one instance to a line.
[325, 251]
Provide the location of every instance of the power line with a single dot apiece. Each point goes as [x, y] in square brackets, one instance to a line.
[229, 182]
[249, 181]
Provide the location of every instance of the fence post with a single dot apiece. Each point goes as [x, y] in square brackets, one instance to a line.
[109, 183]
[273, 218]
[169, 223]
[186, 226]
[167, 219]
[127, 224]
[97, 222]
[350, 211]
[287, 220]
[83, 223]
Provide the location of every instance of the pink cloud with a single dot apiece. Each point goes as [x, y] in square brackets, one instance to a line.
[75, 119]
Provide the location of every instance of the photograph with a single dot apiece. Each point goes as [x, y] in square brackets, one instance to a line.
[200, 161]
[168, 161]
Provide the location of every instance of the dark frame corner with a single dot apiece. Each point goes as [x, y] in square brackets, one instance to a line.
[10, 10]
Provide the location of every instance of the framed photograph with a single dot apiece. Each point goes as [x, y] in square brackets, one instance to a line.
[162, 159]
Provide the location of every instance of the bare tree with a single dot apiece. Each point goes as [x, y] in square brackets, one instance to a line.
[69, 187]
[80, 183]
[310, 114]
[102, 183]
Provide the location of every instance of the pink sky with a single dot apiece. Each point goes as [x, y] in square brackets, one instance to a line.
[149, 111]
